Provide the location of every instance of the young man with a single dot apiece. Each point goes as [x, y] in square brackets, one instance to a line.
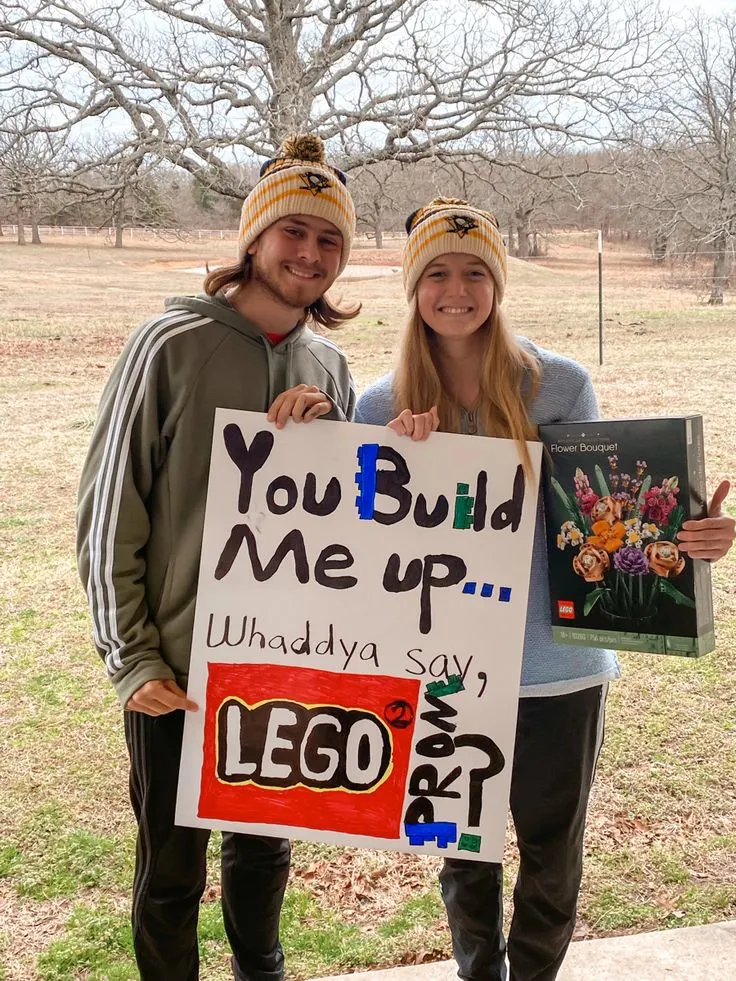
[243, 344]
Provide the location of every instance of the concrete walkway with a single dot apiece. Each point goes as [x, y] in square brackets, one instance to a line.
[706, 953]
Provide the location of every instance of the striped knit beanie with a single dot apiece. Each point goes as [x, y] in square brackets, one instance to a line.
[298, 182]
[452, 225]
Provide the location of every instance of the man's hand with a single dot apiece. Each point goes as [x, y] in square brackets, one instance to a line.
[711, 537]
[301, 403]
[417, 426]
[159, 697]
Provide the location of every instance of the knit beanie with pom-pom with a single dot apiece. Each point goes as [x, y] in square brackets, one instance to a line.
[298, 181]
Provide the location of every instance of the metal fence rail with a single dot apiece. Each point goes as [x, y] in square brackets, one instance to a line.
[129, 233]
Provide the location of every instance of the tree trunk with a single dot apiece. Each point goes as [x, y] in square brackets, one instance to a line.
[659, 249]
[119, 221]
[522, 230]
[21, 227]
[378, 234]
[35, 237]
[721, 263]
[291, 101]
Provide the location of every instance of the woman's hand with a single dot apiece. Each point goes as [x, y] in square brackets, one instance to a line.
[301, 403]
[417, 426]
[711, 537]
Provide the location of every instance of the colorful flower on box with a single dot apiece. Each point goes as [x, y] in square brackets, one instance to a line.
[591, 563]
[607, 536]
[606, 509]
[621, 538]
[626, 501]
[584, 492]
[649, 530]
[587, 502]
[664, 559]
[569, 534]
[660, 502]
[631, 560]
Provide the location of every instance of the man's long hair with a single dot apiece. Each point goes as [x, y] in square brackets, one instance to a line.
[509, 380]
[323, 311]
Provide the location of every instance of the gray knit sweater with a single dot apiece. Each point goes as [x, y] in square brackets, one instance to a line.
[565, 395]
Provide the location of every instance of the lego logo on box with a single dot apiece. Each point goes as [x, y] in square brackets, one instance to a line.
[566, 609]
[296, 746]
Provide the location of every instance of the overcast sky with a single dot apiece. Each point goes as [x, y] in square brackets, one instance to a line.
[712, 6]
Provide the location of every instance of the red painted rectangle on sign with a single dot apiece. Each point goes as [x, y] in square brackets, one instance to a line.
[306, 748]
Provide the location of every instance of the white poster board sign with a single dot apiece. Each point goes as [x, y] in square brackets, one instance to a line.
[358, 636]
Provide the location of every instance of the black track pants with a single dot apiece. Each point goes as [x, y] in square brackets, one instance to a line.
[557, 745]
[171, 868]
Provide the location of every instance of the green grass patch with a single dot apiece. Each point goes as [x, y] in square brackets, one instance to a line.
[97, 944]
[616, 908]
[418, 913]
[701, 904]
[22, 626]
[10, 860]
[78, 860]
[669, 867]
[52, 689]
[317, 941]
[13, 522]
[49, 859]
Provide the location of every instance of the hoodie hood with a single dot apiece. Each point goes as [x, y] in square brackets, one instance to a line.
[282, 362]
[220, 310]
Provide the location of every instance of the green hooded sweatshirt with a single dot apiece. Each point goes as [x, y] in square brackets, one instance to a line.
[144, 482]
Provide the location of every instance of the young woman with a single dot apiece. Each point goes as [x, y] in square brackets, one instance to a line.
[461, 370]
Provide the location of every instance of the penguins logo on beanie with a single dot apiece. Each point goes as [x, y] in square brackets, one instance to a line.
[316, 183]
[460, 225]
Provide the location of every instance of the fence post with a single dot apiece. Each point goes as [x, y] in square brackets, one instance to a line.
[600, 297]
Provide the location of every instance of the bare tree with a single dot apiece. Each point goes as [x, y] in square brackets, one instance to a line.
[214, 85]
[689, 181]
[523, 186]
[29, 170]
[378, 191]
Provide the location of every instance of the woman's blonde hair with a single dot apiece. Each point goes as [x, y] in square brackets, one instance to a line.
[509, 380]
[323, 311]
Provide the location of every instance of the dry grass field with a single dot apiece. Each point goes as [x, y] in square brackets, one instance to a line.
[661, 848]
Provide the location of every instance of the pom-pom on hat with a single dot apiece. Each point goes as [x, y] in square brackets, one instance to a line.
[298, 181]
[452, 225]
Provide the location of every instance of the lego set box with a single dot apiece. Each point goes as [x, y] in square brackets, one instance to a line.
[616, 495]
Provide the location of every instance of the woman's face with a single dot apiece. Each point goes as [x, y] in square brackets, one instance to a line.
[455, 295]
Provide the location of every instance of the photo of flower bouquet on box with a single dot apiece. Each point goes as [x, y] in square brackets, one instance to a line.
[622, 541]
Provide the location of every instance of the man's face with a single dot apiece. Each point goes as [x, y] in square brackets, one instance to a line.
[297, 258]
